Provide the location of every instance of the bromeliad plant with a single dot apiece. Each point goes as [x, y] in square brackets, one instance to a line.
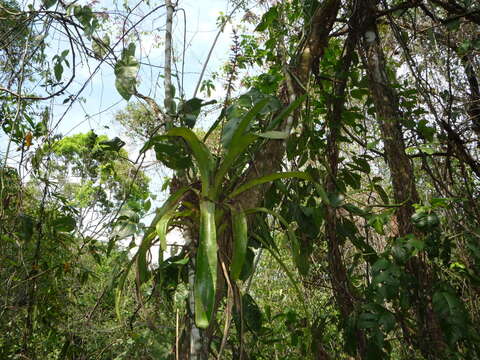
[216, 199]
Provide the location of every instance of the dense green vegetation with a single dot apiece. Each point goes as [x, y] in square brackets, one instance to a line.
[318, 197]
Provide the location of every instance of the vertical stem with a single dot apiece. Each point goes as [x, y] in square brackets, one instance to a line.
[342, 287]
[168, 62]
[195, 336]
[430, 334]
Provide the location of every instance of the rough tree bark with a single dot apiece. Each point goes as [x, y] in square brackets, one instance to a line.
[430, 336]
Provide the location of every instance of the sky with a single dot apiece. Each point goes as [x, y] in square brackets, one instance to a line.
[102, 101]
[99, 101]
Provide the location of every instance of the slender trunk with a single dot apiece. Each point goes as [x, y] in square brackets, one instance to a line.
[342, 288]
[430, 336]
[194, 350]
[168, 63]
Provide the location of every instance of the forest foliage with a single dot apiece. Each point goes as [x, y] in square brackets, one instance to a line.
[323, 183]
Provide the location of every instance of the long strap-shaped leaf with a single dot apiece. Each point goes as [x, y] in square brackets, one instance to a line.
[206, 265]
[141, 256]
[235, 149]
[201, 154]
[162, 227]
[240, 241]
[269, 178]
[240, 141]
[286, 111]
[243, 125]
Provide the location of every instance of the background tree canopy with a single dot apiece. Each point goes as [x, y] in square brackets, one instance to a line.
[309, 191]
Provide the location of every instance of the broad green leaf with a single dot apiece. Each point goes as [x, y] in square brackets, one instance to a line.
[242, 125]
[377, 222]
[147, 205]
[126, 70]
[355, 210]
[240, 241]
[189, 111]
[65, 223]
[143, 273]
[206, 266]
[267, 19]
[247, 268]
[382, 193]
[58, 70]
[112, 145]
[170, 153]
[232, 154]
[49, 3]
[287, 111]
[201, 154]
[269, 178]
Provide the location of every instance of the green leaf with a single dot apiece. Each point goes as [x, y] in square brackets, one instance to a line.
[236, 127]
[232, 154]
[161, 229]
[100, 47]
[150, 233]
[126, 70]
[65, 223]
[287, 111]
[267, 19]
[58, 70]
[206, 266]
[247, 268]
[147, 205]
[269, 178]
[49, 3]
[201, 154]
[252, 314]
[189, 111]
[298, 257]
[112, 145]
[274, 135]
[26, 229]
[377, 222]
[240, 241]
[169, 152]
[382, 193]
[453, 24]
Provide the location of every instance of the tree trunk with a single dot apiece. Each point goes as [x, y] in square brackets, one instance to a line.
[342, 288]
[430, 336]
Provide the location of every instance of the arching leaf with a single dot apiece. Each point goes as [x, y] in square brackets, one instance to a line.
[206, 266]
[201, 154]
[269, 178]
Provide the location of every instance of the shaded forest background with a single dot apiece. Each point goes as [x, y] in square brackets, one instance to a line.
[320, 188]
